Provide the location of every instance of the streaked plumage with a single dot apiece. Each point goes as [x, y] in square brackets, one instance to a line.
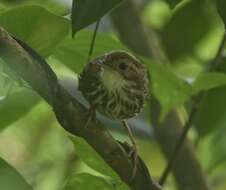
[115, 84]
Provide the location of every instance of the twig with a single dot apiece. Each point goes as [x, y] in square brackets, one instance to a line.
[214, 65]
[177, 148]
[93, 41]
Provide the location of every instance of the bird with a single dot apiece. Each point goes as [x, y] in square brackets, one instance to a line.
[116, 85]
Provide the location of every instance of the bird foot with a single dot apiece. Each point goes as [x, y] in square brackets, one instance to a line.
[133, 154]
[90, 116]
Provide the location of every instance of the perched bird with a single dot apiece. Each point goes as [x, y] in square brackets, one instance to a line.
[116, 85]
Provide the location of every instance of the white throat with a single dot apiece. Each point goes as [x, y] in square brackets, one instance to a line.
[112, 80]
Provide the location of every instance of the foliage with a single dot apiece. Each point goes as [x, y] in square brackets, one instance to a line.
[91, 158]
[79, 181]
[173, 3]
[11, 110]
[78, 48]
[82, 16]
[35, 25]
[221, 9]
[191, 25]
[11, 179]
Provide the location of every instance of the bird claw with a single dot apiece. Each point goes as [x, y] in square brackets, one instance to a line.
[90, 117]
[133, 154]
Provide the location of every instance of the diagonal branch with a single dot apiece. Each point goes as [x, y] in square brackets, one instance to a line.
[71, 114]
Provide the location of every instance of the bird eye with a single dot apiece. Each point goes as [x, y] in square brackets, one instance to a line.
[123, 66]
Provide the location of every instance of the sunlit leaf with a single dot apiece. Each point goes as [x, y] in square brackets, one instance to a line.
[189, 24]
[10, 179]
[39, 28]
[208, 81]
[89, 182]
[57, 7]
[169, 89]
[16, 105]
[91, 157]
[86, 12]
[73, 52]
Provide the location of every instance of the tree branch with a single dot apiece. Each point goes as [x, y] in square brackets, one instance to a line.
[177, 148]
[71, 114]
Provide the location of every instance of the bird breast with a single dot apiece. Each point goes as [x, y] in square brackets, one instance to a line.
[112, 80]
[112, 95]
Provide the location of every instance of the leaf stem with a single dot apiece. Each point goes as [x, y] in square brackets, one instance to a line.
[177, 148]
[93, 40]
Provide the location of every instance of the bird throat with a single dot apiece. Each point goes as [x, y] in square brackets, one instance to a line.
[112, 80]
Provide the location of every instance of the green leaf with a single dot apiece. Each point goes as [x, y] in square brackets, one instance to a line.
[217, 148]
[89, 182]
[91, 157]
[39, 28]
[10, 179]
[212, 111]
[208, 81]
[86, 12]
[169, 89]
[190, 23]
[173, 3]
[73, 52]
[2, 8]
[16, 105]
[56, 7]
[221, 8]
